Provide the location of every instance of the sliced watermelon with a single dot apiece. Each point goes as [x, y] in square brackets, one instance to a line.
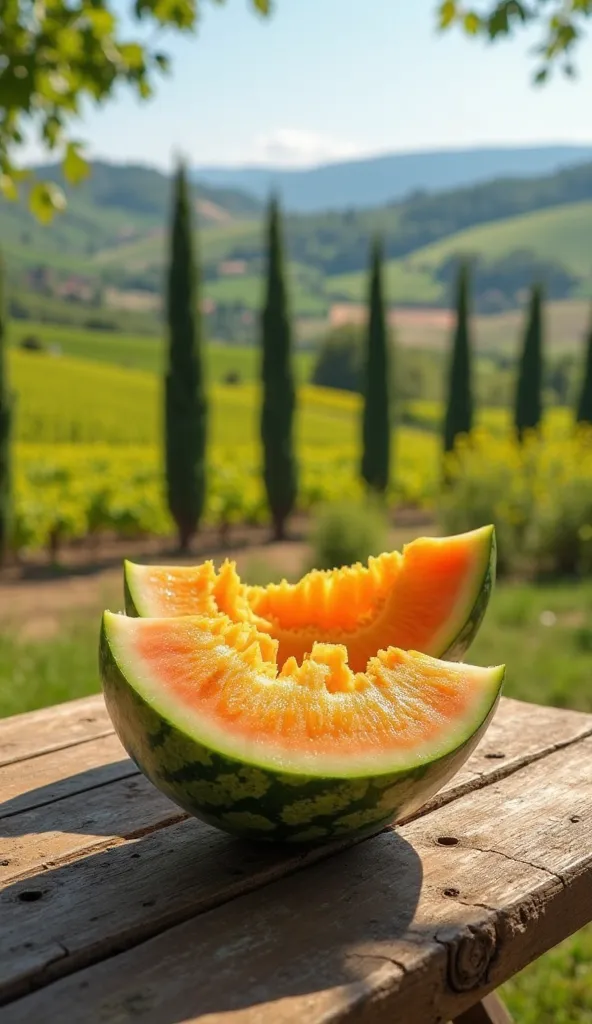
[431, 598]
[301, 753]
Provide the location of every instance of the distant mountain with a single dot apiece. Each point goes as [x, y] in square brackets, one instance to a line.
[144, 191]
[373, 181]
[117, 205]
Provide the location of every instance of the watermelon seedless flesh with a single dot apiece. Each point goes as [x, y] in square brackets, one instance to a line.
[430, 598]
[276, 749]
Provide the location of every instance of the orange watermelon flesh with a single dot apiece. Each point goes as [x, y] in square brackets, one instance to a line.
[429, 598]
[224, 678]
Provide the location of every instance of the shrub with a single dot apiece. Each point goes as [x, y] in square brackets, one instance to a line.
[345, 533]
[538, 495]
[31, 343]
[339, 364]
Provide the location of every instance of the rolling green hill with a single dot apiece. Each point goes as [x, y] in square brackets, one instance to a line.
[404, 283]
[117, 209]
[141, 352]
[112, 242]
[562, 234]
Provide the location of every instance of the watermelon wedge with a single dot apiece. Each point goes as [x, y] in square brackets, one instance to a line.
[300, 753]
[431, 598]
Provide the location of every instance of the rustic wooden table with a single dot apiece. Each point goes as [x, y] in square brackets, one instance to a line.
[114, 907]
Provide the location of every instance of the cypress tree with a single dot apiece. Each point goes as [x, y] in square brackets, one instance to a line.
[459, 409]
[528, 408]
[279, 393]
[584, 412]
[185, 402]
[376, 422]
[5, 430]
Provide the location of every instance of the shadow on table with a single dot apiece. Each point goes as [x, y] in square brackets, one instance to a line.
[227, 928]
[87, 809]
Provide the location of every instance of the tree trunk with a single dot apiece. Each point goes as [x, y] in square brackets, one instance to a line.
[185, 537]
[279, 527]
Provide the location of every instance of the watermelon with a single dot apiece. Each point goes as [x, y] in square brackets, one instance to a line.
[431, 598]
[300, 752]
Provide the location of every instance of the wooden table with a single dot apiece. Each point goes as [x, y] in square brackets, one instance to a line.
[114, 907]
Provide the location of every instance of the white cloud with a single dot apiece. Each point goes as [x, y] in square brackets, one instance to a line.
[291, 147]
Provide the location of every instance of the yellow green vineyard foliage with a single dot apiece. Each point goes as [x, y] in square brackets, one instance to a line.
[70, 400]
[69, 491]
[539, 495]
[87, 459]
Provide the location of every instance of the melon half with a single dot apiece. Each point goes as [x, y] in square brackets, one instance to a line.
[431, 597]
[299, 753]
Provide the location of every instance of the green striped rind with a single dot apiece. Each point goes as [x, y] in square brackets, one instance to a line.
[261, 803]
[485, 582]
[130, 591]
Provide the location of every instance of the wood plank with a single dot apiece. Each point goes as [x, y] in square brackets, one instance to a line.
[418, 923]
[63, 725]
[85, 822]
[62, 773]
[519, 734]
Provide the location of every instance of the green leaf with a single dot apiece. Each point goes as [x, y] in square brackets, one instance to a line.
[133, 55]
[263, 6]
[74, 165]
[162, 61]
[472, 23]
[447, 12]
[45, 200]
[52, 130]
[541, 76]
[8, 187]
[498, 24]
[102, 22]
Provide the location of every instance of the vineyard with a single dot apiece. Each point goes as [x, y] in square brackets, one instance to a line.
[87, 457]
[69, 491]
[87, 460]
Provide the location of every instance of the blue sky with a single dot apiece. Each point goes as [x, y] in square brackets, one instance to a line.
[324, 79]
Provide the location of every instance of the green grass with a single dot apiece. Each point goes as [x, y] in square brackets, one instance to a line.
[307, 297]
[35, 674]
[549, 664]
[215, 242]
[544, 635]
[558, 988]
[404, 283]
[144, 352]
[560, 234]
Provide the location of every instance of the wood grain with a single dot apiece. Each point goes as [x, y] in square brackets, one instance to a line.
[37, 732]
[418, 923]
[520, 734]
[80, 824]
[50, 777]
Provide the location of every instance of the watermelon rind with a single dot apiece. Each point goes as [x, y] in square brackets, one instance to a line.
[465, 621]
[256, 799]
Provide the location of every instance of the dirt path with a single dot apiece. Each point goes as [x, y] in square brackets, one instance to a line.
[37, 601]
[36, 608]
